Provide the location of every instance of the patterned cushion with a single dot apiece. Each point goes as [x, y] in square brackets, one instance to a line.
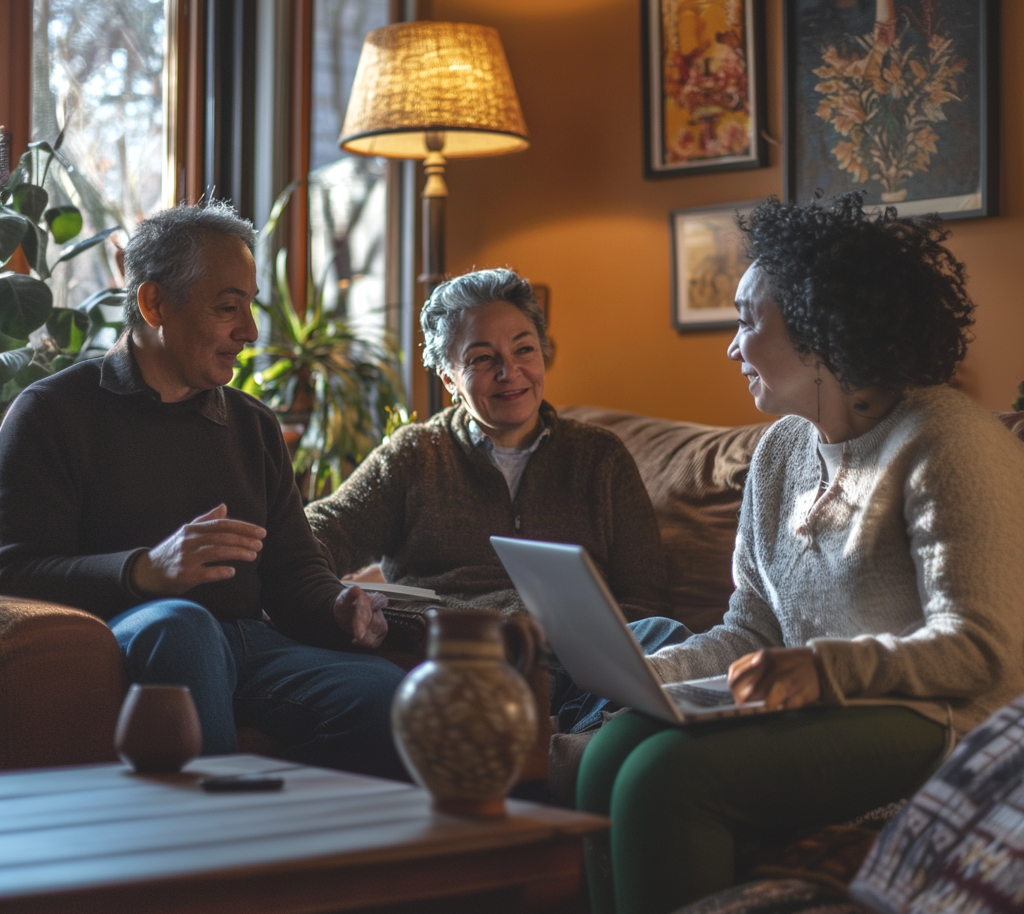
[777, 896]
[1014, 422]
[831, 855]
[958, 846]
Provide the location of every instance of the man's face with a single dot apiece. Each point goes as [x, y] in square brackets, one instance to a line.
[202, 338]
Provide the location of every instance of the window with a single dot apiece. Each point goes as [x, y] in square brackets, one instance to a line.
[347, 194]
[97, 74]
[101, 71]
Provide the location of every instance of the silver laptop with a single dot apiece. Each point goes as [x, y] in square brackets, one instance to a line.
[567, 596]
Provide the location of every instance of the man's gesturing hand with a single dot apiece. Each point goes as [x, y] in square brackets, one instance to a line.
[188, 556]
[359, 614]
[782, 677]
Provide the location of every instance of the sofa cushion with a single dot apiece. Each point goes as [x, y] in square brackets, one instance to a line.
[694, 475]
[959, 843]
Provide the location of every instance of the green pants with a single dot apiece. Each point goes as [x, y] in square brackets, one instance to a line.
[679, 797]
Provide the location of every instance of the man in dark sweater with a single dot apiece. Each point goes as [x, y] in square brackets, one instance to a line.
[140, 488]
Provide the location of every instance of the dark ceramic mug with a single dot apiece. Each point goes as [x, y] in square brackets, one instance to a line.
[158, 728]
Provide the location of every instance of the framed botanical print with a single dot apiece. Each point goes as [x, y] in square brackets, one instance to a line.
[708, 259]
[703, 86]
[896, 99]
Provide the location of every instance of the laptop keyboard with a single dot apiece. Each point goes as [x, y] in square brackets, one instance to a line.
[695, 695]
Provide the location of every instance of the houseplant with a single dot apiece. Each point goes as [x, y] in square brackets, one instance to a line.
[311, 365]
[36, 338]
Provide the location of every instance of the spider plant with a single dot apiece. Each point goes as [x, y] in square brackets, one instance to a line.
[351, 382]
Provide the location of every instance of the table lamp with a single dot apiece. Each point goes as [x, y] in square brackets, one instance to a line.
[433, 91]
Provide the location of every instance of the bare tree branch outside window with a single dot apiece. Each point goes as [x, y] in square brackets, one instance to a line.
[98, 73]
[347, 205]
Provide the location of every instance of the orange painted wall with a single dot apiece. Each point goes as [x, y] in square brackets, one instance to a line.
[575, 213]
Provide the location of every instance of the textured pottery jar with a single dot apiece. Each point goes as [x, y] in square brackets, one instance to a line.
[464, 719]
[158, 729]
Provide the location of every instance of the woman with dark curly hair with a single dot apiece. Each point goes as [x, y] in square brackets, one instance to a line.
[877, 565]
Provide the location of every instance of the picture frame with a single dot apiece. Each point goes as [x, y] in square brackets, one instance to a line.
[708, 259]
[898, 100]
[704, 86]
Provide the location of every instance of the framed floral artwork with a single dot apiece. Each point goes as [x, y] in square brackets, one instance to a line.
[708, 259]
[896, 98]
[703, 86]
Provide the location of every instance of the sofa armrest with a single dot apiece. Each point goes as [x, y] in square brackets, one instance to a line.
[61, 685]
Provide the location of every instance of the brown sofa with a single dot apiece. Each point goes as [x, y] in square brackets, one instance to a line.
[61, 683]
[694, 475]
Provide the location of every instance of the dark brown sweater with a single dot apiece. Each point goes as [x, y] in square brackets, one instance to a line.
[93, 467]
[425, 502]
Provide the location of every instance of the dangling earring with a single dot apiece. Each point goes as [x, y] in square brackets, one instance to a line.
[453, 391]
[817, 384]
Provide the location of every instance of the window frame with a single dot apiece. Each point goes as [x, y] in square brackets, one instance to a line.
[16, 73]
[185, 114]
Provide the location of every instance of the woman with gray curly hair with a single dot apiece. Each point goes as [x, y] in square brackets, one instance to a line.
[498, 462]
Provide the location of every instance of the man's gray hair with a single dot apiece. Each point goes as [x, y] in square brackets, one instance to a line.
[443, 314]
[168, 248]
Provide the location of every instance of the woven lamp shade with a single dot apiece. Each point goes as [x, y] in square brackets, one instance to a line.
[420, 77]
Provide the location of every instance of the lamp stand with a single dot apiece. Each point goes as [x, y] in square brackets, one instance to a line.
[435, 194]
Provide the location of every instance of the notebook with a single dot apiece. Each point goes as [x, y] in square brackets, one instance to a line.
[397, 592]
[568, 598]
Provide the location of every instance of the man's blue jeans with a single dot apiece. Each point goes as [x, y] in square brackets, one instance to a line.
[578, 711]
[327, 708]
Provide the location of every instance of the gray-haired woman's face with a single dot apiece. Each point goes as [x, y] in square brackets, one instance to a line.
[498, 371]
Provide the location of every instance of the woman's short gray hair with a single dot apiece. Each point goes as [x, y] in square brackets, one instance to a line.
[443, 314]
[169, 248]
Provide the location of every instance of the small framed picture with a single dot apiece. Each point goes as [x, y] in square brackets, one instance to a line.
[897, 99]
[704, 84]
[708, 259]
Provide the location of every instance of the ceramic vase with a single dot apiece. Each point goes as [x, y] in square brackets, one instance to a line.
[464, 719]
[158, 729]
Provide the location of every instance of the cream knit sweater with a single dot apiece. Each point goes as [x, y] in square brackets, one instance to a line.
[906, 576]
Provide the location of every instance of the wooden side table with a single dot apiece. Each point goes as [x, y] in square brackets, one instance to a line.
[100, 838]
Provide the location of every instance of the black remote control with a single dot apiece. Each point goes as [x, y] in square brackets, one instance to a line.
[239, 782]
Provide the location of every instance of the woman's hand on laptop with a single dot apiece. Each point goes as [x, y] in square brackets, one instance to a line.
[782, 677]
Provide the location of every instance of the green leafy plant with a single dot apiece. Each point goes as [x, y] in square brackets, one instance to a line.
[351, 384]
[36, 338]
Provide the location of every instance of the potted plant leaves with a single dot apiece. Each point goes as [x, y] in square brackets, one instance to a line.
[344, 385]
[36, 338]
